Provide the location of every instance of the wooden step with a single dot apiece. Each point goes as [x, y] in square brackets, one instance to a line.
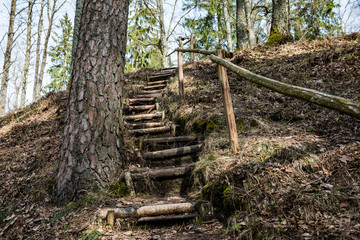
[156, 83]
[173, 152]
[159, 174]
[139, 117]
[154, 95]
[154, 87]
[160, 77]
[142, 125]
[150, 91]
[145, 131]
[166, 218]
[140, 107]
[170, 139]
[131, 101]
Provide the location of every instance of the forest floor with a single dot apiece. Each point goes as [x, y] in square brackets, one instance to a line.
[296, 176]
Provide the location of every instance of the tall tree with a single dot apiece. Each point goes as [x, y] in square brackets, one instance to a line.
[7, 58]
[163, 39]
[280, 23]
[91, 153]
[241, 31]
[60, 56]
[51, 11]
[38, 45]
[27, 53]
[227, 24]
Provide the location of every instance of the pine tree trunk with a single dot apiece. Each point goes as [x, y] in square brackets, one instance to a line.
[241, 35]
[38, 44]
[280, 24]
[44, 56]
[91, 153]
[7, 58]
[250, 23]
[27, 54]
[227, 23]
[163, 41]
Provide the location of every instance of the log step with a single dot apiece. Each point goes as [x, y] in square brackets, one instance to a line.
[159, 174]
[142, 125]
[160, 77]
[170, 139]
[154, 87]
[173, 152]
[145, 116]
[140, 100]
[167, 218]
[150, 91]
[157, 82]
[145, 131]
[140, 107]
[147, 211]
[153, 95]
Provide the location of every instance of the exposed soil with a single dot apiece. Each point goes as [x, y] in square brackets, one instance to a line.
[296, 177]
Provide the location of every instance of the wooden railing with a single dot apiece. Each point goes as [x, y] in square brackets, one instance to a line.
[340, 104]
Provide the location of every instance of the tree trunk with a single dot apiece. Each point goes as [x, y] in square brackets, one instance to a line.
[47, 38]
[250, 23]
[280, 24]
[241, 35]
[7, 59]
[227, 23]
[17, 88]
[163, 41]
[27, 54]
[38, 44]
[91, 155]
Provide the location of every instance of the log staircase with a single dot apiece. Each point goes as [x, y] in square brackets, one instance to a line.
[167, 159]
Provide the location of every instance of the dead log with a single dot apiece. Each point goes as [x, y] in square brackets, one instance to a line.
[144, 116]
[151, 87]
[145, 131]
[165, 209]
[140, 108]
[142, 125]
[340, 104]
[174, 152]
[170, 139]
[125, 212]
[159, 174]
[166, 218]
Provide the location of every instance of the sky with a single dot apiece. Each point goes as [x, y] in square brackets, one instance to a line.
[352, 24]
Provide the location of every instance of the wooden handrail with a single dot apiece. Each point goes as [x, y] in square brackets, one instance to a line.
[205, 52]
[340, 104]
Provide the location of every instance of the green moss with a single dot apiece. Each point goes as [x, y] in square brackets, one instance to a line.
[277, 38]
[118, 190]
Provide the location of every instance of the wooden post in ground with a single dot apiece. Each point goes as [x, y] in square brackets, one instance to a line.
[229, 110]
[192, 47]
[181, 70]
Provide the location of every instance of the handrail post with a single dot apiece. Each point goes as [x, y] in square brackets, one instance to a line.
[181, 70]
[192, 47]
[229, 110]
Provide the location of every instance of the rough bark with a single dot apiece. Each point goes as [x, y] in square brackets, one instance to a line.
[163, 41]
[241, 35]
[27, 54]
[280, 23]
[91, 153]
[228, 26]
[326, 100]
[7, 58]
[38, 44]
